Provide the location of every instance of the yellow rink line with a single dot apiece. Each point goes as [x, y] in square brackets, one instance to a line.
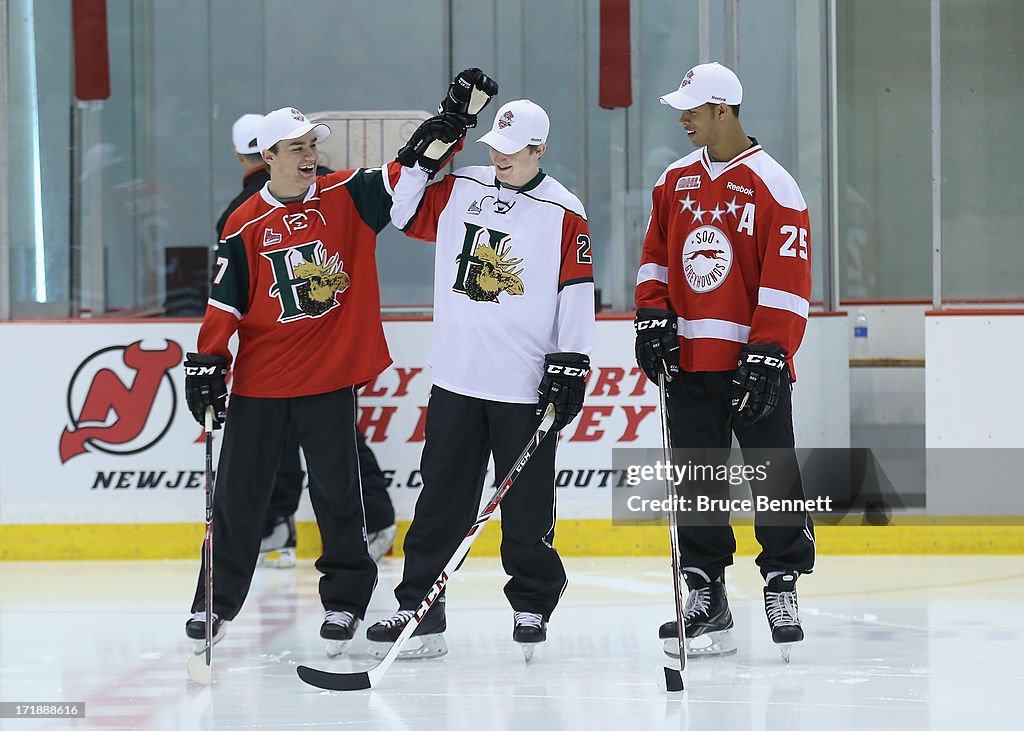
[981, 535]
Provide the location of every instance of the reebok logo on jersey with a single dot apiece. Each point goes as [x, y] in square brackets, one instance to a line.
[740, 189]
[688, 182]
[474, 209]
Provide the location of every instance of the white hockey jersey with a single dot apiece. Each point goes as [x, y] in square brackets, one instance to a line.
[513, 279]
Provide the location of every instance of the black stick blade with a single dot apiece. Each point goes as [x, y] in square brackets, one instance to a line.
[673, 680]
[333, 681]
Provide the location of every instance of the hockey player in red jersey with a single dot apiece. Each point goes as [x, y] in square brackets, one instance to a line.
[296, 280]
[513, 329]
[722, 299]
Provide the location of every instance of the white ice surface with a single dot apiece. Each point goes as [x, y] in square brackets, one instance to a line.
[892, 643]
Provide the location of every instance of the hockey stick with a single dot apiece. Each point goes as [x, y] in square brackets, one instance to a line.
[200, 665]
[370, 678]
[672, 680]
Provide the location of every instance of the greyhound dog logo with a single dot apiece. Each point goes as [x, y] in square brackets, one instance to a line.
[707, 258]
[121, 400]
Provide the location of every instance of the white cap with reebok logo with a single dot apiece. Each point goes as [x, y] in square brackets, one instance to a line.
[516, 125]
[287, 123]
[707, 83]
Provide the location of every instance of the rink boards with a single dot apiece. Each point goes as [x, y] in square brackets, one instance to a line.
[99, 458]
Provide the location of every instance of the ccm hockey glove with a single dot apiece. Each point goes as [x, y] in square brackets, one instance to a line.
[657, 343]
[759, 378]
[563, 384]
[468, 93]
[205, 386]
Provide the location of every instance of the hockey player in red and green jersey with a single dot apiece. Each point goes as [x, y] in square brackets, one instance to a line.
[296, 280]
[513, 330]
[722, 298]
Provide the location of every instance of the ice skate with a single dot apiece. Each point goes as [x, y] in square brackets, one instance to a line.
[528, 631]
[429, 634]
[707, 619]
[783, 614]
[277, 550]
[195, 630]
[338, 629]
[379, 542]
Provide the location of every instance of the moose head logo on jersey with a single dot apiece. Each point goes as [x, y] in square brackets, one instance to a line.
[486, 267]
[306, 282]
[112, 417]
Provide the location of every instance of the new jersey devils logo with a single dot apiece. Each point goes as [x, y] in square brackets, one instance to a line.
[120, 415]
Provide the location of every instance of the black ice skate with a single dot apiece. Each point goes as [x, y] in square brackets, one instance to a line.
[707, 619]
[529, 629]
[195, 630]
[338, 629]
[277, 550]
[429, 634]
[783, 614]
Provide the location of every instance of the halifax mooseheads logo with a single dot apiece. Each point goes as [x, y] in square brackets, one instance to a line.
[120, 415]
[306, 282]
[486, 267]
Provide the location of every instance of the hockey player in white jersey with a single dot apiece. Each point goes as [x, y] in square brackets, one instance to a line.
[513, 330]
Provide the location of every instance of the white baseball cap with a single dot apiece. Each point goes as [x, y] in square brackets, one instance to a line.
[516, 125]
[703, 84]
[287, 123]
[244, 132]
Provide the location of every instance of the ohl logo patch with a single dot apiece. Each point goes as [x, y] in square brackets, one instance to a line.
[121, 400]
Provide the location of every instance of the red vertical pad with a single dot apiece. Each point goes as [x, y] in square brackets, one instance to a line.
[616, 89]
[92, 61]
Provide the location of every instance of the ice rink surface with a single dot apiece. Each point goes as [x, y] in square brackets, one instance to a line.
[892, 643]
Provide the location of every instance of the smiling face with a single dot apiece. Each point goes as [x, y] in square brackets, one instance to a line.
[519, 168]
[702, 124]
[292, 165]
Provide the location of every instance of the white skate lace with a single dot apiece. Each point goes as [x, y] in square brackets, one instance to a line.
[528, 619]
[201, 617]
[398, 619]
[342, 618]
[782, 609]
[698, 601]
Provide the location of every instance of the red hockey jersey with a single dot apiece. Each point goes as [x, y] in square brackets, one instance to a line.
[298, 282]
[728, 250]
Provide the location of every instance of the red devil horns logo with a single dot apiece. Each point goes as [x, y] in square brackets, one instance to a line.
[130, 405]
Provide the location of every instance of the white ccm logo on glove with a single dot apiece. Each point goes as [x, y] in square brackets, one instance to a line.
[555, 370]
[650, 324]
[200, 370]
[768, 360]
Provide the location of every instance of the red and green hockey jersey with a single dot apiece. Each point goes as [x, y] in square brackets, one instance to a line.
[298, 282]
[728, 250]
[513, 278]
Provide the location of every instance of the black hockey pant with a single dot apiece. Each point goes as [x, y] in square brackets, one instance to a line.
[254, 436]
[461, 432]
[699, 417]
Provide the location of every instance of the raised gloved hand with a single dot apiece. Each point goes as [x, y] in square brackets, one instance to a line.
[205, 386]
[758, 380]
[431, 145]
[468, 93]
[657, 342]
[563, 384]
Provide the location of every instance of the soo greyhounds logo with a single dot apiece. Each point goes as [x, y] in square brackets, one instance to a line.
[121, 400]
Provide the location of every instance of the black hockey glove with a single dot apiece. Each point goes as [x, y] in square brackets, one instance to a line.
[563, 384]
[205, 386]
[468, 93]
[431, 145]
[760, 376]
[657, 343]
